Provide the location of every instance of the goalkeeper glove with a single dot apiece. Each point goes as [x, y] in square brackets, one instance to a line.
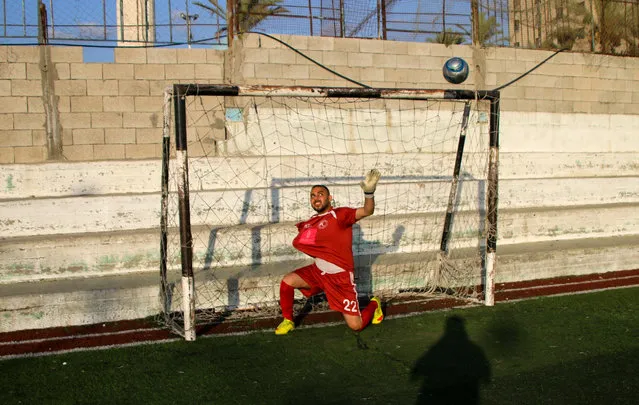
[370, 183]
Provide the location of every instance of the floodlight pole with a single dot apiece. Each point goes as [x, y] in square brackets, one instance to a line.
[189, 18]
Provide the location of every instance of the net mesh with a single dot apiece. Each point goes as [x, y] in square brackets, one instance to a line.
[253, 159]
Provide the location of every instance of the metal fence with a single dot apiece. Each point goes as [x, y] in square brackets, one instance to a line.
[607, 26]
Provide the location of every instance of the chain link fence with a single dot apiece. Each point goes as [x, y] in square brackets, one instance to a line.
[606, 26]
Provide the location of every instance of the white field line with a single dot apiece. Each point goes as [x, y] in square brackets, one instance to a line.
[619, 287]
[265, 331]
[86, 349]
[79, 336]
[545, 286]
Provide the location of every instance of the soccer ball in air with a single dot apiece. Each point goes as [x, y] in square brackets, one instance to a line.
[455, 70]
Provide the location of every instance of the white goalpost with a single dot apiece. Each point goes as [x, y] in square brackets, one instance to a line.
[238, 164]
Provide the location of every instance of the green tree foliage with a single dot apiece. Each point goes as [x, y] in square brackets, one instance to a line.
[568, 26]
[447, 37]
[489, 32]
[617, 27]
[249, 12]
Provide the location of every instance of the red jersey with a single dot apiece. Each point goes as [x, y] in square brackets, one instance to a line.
[328, 236]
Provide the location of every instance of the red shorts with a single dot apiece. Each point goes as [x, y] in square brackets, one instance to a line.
[339, 288]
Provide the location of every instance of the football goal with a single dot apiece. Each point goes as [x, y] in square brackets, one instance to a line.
[238, 164]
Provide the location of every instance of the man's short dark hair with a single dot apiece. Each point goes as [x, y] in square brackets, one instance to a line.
[323, 186]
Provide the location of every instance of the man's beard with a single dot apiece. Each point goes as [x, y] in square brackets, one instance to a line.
[321, 208]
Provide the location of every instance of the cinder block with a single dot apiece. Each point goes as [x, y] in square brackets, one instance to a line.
[86, 104]
[106, 120]
[256, 56]
[26, 88]
[28, 120]
[335, 58]
[119, 135]
[29, 54]
[157, 87]
[39, 137]
[13, 104]
[439, 50]
[72, 54]
[141, 120]
[194, 55]
[149, 104]
[146, 151]
[14, 71]
[67, 136]
[148, 135]
[296, 41]
[283, 56]
[6, 155]
[124, 55]
[371, 46]
[134, 88]
[360, 60]
[117, 71]
[317, 56]
[62, 71]
[153, 71]
[102, 87]
[108, 152]
[396, 47]
[215, 56]
[5, 87]
[372, 74]
[184, 72]
[16, 138]
[295, 72]
[209, 72]
[161, 55]
[88, 136]
[400, 75]
[267, 71]
[6, 121]
[347, 45]
[32, 154]
[71, 87]
[408, 62]
[86, 71]
[75, 120]
[34, 72]
[78, 152]
[118, 104]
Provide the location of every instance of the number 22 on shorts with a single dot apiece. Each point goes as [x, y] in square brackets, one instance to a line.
[350, 306]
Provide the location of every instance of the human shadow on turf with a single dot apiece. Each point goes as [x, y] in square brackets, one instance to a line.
[453, 369]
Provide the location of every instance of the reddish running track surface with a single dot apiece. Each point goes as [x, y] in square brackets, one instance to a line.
[57, 340]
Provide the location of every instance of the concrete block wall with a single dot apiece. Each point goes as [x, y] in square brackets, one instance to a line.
[106, 111]
[88, 225]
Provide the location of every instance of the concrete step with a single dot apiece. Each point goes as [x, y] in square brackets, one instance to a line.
[44, 304]
[52, 216]
[138, 251]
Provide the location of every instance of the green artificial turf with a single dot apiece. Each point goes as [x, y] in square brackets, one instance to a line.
[577, 349]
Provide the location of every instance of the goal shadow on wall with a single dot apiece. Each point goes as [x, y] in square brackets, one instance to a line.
[366, 252]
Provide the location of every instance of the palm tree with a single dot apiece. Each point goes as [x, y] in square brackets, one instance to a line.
[249, 13]
[617, 32]
[568, 26]
[447, 37]
[489, 32]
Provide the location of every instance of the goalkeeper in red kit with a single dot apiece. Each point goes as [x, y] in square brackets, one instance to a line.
[327, 237]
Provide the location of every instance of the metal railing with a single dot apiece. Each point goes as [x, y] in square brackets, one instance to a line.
[607, 26]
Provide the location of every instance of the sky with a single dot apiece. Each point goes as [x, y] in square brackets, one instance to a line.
[92, 23]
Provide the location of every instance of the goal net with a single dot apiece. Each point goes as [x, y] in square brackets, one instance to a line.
[238, 165]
